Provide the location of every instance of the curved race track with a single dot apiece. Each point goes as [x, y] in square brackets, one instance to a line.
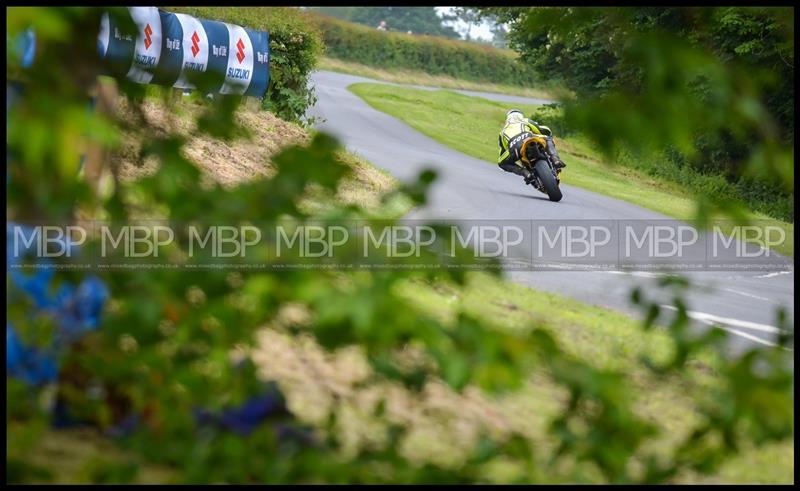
[742, 302]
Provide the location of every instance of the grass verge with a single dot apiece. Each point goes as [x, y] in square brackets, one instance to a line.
[416, 77]
[470, 125]
[607, 340]
[443, 424]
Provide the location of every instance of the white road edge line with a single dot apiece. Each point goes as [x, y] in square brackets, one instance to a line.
[711, 318]
[720, 322]
[745, 294]
[641, 274]
[748, 336]
[770, 275]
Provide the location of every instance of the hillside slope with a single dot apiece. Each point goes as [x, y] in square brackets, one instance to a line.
[246, 157]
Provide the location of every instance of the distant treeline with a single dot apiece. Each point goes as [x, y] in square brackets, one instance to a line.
[433, 55]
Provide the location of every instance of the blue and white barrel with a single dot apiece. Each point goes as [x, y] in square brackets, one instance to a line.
[167, 47]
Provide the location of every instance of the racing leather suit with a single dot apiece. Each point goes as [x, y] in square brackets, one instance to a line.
[511, 138]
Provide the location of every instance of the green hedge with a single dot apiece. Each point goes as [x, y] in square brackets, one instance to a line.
[295, 45]
[433, 55]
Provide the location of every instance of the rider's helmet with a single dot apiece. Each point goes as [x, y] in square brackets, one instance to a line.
[514, 115]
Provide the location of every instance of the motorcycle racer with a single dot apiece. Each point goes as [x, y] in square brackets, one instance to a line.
[516, 130]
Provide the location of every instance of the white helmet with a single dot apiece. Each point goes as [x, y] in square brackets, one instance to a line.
[514, 115]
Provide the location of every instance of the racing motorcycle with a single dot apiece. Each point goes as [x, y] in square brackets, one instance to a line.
[537, 156]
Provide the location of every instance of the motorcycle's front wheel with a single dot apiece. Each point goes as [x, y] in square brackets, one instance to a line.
[548, 180]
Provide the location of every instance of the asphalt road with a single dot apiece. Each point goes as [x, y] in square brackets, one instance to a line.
[744, 303]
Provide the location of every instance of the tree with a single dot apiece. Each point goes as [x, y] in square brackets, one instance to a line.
[344, 13]
[711, 87]
[467, 15]
[499, 36]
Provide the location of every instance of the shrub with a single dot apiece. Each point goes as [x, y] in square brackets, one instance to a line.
[294, 44]
[552, 116]
[757, 195]
[434, 55]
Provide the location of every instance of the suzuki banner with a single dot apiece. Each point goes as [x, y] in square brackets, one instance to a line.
[168, 47]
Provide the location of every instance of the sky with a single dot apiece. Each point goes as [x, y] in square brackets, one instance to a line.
[482, 30]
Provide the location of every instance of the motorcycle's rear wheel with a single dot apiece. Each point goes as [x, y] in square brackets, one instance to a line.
[548, 180]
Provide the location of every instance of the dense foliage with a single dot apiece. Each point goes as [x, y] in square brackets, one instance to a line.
[712, 89]
[419, 20]
[294, 44]
[161, 361]
[436, 56]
